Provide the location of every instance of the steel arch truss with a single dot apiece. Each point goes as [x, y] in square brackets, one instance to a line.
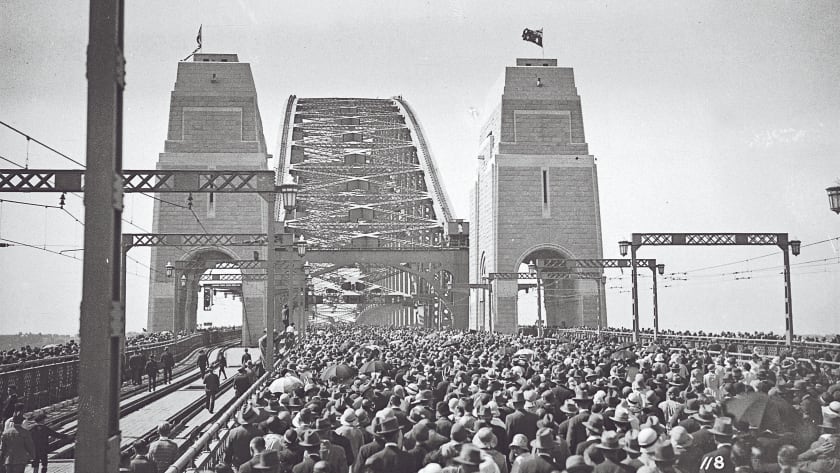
[366, 175]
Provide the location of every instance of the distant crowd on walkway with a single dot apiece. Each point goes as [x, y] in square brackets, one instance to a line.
[756, 335]
[10, 358]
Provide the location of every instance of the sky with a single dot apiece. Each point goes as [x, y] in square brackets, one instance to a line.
[709, 116]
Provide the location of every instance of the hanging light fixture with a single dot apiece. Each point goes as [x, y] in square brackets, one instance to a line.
[623, 246]
[834, 199]
[169, 269]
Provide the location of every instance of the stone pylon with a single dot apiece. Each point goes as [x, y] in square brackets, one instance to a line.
[214, 123]
[535, 196]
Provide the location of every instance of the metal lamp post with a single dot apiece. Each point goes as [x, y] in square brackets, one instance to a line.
[834, 198]
[534, 269]
[622, 248]
[660, 269]
[288, 194]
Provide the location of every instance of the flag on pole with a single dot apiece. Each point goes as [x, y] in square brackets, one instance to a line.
[198, 38]
[533, 36]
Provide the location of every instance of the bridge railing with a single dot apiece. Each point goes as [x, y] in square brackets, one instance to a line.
[47, 384]
[209, 449]
[768, 347]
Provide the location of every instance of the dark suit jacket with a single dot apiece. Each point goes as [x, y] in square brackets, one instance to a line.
[608, 466]
[576, 432]
[522, 422]
[366, 452]
[390, 460]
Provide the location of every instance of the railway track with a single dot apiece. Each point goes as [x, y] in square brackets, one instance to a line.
[182, 379]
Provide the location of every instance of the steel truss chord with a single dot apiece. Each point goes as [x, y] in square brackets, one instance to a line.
[63, 180]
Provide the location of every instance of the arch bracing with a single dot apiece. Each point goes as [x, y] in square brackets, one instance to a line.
[369, 182]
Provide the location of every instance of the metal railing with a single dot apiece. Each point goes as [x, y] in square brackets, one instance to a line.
[770, 347]
[47, 384]
[209, 449]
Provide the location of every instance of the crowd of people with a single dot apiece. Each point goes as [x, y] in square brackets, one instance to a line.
[755, 335]
[14, 357]
[378, 399]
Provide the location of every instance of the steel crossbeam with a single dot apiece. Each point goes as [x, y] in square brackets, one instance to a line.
[54, 180]
[595, 263]
[547, 275]
[779, 240]
[712, 239]
[197, 239]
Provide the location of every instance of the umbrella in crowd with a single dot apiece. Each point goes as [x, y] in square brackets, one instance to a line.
[761, 411]
[339, 372]
[524, 352]
[374, 366]
[622, 355]
[286, 384]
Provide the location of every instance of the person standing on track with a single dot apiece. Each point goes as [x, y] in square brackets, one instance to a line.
[241, 382]
[246, 357]
[221, 363]
[211, 389]
[168, 361]
[202, 362]
[151, 372]
[135, 365]
[41, 439]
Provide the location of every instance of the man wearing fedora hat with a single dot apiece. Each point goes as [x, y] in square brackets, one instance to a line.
[371, 448]
[487, 418]
[391, 458]
[720, 459]
[339, 454]
[349, 429]
[594, 428]
[237, 449]
[521, 421]
[486, 441]
[311, 444]
[612, 452]
[544, 457]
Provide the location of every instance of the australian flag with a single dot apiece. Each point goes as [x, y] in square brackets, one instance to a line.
[533, 36]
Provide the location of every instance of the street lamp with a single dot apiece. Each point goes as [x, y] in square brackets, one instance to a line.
[307, 269]
[169, 269]
[834, 198]
[300, 246]
[623, 246]
[660, 268]
[183, 280]
[288, 192]
[795, 246]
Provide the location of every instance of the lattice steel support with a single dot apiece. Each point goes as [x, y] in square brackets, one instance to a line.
[780, 240]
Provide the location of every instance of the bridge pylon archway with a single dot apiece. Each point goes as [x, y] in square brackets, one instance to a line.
[536, 188]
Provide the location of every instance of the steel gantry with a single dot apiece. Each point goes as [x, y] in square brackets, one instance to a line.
[369, 182]
[714, 239]
[561, 269]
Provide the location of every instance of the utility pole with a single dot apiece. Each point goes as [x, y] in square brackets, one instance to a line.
[102, 317]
